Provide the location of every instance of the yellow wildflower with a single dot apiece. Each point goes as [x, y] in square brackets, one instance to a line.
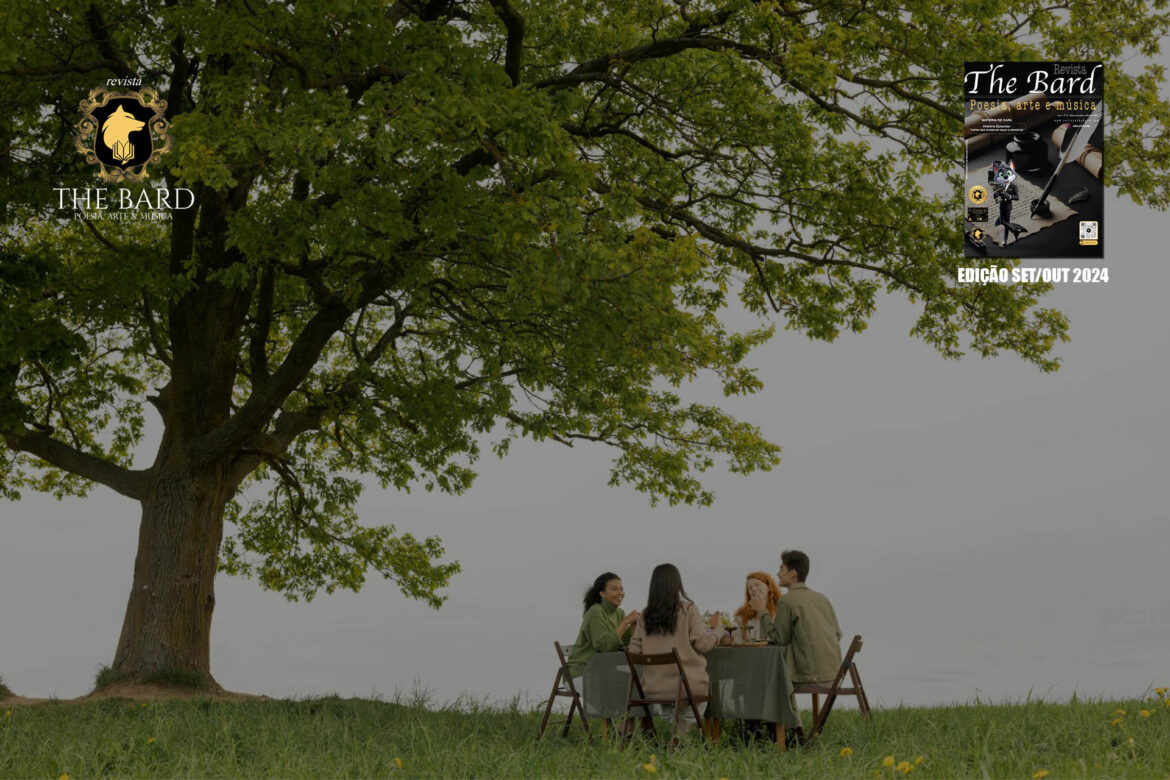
[64, 776]
[919, 760]
[650, 768]
[846, 752]
[1159, 691]
[905, 767]
[1041, 774]
[1144, 713]
[1116, 722]
[150, 741]
[398, 761]
[8, 713]
[653, 759]
[1119, 712]
[143, 704]
[888, 761]
[1130, 741]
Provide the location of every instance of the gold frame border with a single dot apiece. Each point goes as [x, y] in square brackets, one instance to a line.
[86, 136]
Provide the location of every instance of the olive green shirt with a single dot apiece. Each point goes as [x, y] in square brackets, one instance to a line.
[598, 634]
[806, 623]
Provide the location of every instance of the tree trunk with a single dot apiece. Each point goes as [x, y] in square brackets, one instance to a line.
[166, 635]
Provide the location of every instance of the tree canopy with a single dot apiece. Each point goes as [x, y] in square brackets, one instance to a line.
[416, 224]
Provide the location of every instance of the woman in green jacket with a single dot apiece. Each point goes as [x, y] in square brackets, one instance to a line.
[605, 627]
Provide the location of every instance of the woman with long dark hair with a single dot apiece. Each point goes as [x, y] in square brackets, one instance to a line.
[605, 627]
[671, 620]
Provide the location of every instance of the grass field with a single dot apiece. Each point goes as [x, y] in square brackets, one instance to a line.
[332, 737]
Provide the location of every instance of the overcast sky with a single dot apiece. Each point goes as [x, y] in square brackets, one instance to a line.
[990, 531]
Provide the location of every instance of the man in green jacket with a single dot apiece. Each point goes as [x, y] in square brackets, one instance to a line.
[805, 622]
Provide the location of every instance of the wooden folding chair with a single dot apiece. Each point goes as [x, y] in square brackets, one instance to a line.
[682, 695]
[831, 692]
[563, 686]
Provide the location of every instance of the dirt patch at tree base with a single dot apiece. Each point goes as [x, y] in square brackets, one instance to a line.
[144, 692]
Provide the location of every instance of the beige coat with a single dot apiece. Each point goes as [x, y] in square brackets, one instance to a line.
[692, 638]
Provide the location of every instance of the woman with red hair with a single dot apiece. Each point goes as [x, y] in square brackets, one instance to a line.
[746, 616]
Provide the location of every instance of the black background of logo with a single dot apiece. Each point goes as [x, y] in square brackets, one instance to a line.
[143, 147]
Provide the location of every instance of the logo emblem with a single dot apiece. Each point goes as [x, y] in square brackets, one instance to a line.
[977, 194]
[122, 133]
[1088, 232]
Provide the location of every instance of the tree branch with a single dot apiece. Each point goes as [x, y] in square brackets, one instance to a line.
[152, 330]
[289, 425]
[755, 251]
[514, 23]
[267, 398]
[182, 69]
[59, 70]
[101, 35]
[598, 67]
[898, 89]
[130, 483]
[258, 344]
[601, 131]
[98, 235]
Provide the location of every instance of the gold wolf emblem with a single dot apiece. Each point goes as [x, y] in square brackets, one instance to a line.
[122, 133]
[118, 127]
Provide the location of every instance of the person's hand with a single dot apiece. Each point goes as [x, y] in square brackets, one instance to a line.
[714, 621]
[759, 602]
[628, 621]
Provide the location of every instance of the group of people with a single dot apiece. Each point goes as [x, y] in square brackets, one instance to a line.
[803, 620]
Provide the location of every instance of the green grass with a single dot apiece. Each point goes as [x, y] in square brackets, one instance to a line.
[331, 737]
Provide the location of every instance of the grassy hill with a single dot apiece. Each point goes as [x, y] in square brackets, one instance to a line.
[332, 737]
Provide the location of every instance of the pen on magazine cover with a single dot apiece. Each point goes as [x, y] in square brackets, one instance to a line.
[1068, 150]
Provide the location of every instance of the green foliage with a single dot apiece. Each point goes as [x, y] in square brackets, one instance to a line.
[423, 226]
[361, 738]
[104, 678]
[5, 691]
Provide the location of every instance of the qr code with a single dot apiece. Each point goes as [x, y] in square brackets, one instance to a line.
[1089, 229]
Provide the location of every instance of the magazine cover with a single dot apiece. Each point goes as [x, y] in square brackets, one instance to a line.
[1034, 148]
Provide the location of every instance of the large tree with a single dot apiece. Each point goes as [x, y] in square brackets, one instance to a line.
[416, 223]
